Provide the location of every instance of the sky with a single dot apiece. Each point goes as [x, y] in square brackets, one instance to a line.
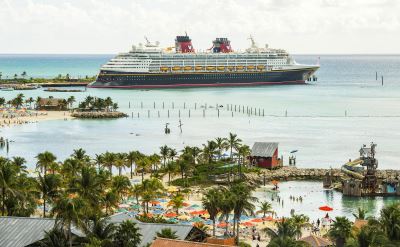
[112, 26]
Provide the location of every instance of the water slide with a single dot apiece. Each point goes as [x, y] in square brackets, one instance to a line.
[346, 168]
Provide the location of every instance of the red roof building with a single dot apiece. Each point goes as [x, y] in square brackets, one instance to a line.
[265, 155]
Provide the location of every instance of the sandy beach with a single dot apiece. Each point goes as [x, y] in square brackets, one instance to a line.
[16, 117]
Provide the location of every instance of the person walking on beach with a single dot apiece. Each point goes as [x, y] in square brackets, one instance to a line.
[318, 222]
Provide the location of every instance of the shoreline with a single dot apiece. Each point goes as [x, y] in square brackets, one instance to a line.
[32, 117]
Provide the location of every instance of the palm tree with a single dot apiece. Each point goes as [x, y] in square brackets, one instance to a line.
[177, 202]
[285, 229]
[167, 233]
[142, 164]
[120, 162]
[109, 160]
[243, 203]
[80, 155]
[99, 160]
[369, 235]
[87, 186]
[71, 101]
[56, 237]
[210, 203]
[45, 160]
[226, 205]
[361, 214]
[221, 145]
[172, 153]
[209, 151]
[49, 185]
[110, 200]
[390, 221]
[299, 221]
[19, 163]
[233, 143]
[164, 151]
[121, 185]
[8, 175]
[170, 169]
[100, 229]
[133, 157]
[340, 230]
[265, 208]
[69, 210]
[127, 234]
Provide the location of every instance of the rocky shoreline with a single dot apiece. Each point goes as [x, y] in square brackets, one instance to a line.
[98, 115]
[290, 173]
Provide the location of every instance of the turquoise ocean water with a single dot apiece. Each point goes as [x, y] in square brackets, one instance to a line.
[315, 124]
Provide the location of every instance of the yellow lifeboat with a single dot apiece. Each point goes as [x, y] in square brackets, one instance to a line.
[199, 68]
[164, 69]
[221, 68]
[230, 67]
[176, 68]
[260, 67]
[239, 67]
[210, 67]
[188, 68]
[250, 67]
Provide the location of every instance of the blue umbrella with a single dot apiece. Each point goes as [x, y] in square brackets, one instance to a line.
[157, 211]
[158, 206]
[244, 217]
[162, 200]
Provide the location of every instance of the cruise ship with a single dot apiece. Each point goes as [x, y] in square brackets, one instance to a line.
[149, 66]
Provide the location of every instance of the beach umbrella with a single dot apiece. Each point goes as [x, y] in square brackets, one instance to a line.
[268, 218]
[325, 208]
[244, 217]
[247, 224]
[170, 215]
[208, 222]
[183, 217]
[158, 206]
[157, 211]
[173, 220]
[222, 224]
[195, 206]
[196, 219]
[185, 204]
[194, 213]
[202, 212]
[155, 202]
[257, 220]
[135, 206]
[162, 200]
[124, 205]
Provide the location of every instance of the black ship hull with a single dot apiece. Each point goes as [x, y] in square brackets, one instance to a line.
[113, 79]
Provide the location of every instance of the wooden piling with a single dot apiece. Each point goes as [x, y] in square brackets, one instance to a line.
[158, 113]
[218, 113]
[129, 105]
[376, 75]
[184, 105]
[132, 114]
[168, 113]
[195, 106]
[141, 104]
[163, 104]
[173, 105]
[138, 115]
[189, 113]
[204, 113]
[154, 105]
[382, 80]
[148, 113]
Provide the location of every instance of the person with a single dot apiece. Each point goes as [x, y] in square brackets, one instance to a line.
[318, 222]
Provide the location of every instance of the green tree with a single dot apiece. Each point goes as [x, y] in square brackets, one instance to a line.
[226, 205]
[210, 203]
[164, 152]
[233, 143]
[45, 160]
[340, 230]
[100, 229]
[69, 209]
[127, 235]
[176, 202]
[265, 208]
[142, 164]
[167, 233]
[222, 145]
[390, 221]
[49, 185]
[361, 214]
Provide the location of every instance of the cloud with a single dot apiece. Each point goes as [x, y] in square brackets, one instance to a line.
[110, 26]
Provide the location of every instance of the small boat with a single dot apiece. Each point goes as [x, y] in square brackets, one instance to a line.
[250, 67]
[199, 68]
[221, 67]
[230, 67]
[188, 68]
[239, 67]
[7, 89]
[260, 67]
[164, 68]
[210, 67]
[176, 68]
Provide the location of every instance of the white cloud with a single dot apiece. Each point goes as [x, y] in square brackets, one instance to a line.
[109, 26]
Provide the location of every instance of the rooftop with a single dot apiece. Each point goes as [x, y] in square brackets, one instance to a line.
[163, 242]
[264, 149]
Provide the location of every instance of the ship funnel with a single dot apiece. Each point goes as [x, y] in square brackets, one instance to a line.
[221, 45]
[183, 44]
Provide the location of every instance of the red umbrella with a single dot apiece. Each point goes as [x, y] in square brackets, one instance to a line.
[170, 215]
[185, 204]
[268, 218]
[155, 202]
[257, 220]
[325, 208]
[247, 224]
[221, 224]
[202, 212]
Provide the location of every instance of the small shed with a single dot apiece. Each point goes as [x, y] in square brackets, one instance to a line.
[265, 155]
[51, 104]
